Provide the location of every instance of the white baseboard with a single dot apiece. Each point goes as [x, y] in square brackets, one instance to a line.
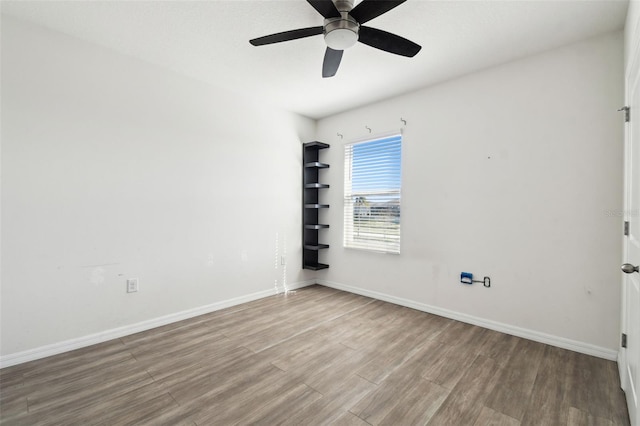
[92, 339]
[536, 336]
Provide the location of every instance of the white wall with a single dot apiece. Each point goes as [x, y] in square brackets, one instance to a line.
[514, 172]
[114, 168]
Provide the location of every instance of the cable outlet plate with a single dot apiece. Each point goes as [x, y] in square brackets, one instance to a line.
[132, 285]
[466, 278]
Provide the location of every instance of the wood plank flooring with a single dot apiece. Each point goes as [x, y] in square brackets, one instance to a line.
[316, 356]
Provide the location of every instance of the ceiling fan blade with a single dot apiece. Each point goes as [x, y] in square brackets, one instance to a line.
[388, 42]
[369, 9]
[286, 36]
[331, 62]
[326, 8]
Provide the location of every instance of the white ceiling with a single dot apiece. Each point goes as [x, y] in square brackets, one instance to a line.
[209, 41]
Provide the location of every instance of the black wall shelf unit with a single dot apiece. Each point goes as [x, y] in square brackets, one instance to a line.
[311, 188]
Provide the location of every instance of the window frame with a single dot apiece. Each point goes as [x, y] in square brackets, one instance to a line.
[389, 226]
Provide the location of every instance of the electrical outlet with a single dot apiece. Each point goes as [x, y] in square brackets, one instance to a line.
[132, 285]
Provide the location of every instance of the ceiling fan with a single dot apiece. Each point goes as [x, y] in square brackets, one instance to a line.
[343, 28]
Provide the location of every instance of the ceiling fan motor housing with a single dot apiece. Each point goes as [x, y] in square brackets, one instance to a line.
[341, 33]
[343, 5]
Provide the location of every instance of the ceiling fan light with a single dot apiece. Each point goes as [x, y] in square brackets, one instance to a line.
[341, 33]
[341, 38]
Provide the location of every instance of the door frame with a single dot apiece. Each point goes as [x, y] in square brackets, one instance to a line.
[632, 80]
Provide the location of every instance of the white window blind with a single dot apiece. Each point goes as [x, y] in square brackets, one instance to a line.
[372, 183]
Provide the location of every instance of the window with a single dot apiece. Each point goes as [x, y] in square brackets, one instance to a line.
[372, 184]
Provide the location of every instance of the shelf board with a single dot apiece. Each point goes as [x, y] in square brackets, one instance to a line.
[316, 246]
[314, 226]
[316, 144]
[316, 185]
[317, 165]
[315, 266]
[316, 206]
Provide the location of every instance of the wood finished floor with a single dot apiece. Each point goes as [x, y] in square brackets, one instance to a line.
[317, 356]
